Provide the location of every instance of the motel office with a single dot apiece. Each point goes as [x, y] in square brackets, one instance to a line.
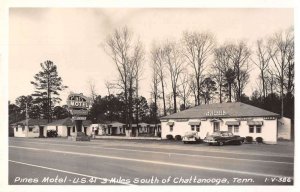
[239, 118]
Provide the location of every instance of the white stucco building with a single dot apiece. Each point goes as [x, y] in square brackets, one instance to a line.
[30, 128]
[239, 118]
[66, 127]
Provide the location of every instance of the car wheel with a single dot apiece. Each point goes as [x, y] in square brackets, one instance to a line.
[220, 143]
[240, 142]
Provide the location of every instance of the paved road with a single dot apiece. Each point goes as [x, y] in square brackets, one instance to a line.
[46, 161]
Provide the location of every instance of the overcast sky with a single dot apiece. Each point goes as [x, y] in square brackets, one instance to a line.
[72, 38]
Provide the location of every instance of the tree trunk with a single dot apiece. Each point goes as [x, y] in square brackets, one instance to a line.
[164, 100]
[229, 91]
[198, 91]
[174, 99]
[220, 92]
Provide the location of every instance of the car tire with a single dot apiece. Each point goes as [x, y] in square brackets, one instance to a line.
[240, 142]
[220, 143]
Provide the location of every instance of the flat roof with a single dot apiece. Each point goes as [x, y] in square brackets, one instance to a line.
[225, 110]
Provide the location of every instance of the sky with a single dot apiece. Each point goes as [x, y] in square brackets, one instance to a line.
[73, 39]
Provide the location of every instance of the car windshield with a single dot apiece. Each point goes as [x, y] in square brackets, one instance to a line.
[225, 134]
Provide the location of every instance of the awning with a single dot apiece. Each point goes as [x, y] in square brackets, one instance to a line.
[170, 123]
[232, 123]
[255, 122]
[216, 120]
[194, 122]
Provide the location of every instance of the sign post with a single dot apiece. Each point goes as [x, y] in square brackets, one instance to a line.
[78, 106]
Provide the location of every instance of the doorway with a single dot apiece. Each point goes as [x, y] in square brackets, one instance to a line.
[41, 131]
[69, 131]
[216, 126]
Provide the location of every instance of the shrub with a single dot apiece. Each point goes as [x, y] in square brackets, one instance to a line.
[259, 139]
[178, 138]
[249, 139]
[169, 137]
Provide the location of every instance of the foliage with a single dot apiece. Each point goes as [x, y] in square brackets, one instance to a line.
[48, 85]
[249, 139]
[259, 139]
[178, 137]
[170, 137]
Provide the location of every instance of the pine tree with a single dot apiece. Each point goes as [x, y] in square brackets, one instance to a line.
[48, 84]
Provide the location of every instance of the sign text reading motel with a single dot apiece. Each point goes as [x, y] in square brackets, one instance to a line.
[77, 101]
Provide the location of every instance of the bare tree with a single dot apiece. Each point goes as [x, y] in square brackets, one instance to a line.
[197, 48]
[157, 55]
[279, 46]
[92, 87]
[193, 88]
[175, 65]
[262, 62]
[126, 54]
[240, 54]
[220, 67]
[155, 80]
[109, 86]
[184, 90]
[137, 61]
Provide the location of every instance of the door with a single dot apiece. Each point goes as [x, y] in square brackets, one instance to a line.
[216, 126]
[41, 131]
[85, 130]
[69, 131]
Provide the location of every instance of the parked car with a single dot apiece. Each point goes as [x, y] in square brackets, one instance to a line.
[191, 137]
[51, 133]
[223, 137]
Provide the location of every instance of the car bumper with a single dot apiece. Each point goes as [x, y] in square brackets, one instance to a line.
[210, 141]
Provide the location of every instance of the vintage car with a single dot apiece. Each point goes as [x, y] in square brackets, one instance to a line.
[191, 137]
[223, 137]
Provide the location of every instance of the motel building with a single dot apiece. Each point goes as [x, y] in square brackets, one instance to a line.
[239, 118]
[66, 127]
[30, 128]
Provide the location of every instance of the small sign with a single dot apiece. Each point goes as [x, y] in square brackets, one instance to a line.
[269, 118]
[78, 118]
[78, 112]
[216, 113]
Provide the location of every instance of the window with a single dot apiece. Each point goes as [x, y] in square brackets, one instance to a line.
[16, 128]
[193, 127]
[236, 129]
[230, 128]
[30, 129]
[198, 128]
[120, 130]
[171, 127]
[73, 129]
[258, 128]
[251, 129]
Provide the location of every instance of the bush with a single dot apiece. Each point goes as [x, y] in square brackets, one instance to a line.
[170, 137]
[259, 139]
[249, 139]
[178, 138]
